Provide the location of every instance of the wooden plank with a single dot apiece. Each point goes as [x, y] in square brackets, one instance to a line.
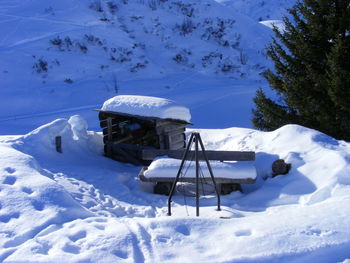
[177, 146]
[177, 138]
[103, 123]
[127, 156]
[149, 154]
[170, 127]
[175, 132]
[109, 128]
[133, 146]
[174, 136]
[105, 131]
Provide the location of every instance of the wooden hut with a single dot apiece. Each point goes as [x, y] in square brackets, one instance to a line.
[133, 123]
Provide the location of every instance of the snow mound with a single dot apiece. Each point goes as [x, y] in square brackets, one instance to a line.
[147, 106]
[167, 167]
[73, 133]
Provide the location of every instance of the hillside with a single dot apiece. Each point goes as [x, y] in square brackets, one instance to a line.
[61, 57]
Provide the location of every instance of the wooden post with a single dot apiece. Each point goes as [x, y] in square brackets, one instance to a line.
[109, 128]
[196, 135]
[58, 141]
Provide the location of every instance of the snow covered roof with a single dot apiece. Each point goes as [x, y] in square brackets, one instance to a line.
[148, 107]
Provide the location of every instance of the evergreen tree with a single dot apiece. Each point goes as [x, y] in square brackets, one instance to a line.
[312, 70]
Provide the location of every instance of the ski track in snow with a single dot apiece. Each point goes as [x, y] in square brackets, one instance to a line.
[37, 38]
[50, 113]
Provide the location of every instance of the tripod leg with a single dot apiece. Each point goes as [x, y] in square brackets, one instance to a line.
[197, 173]
[210, 171]
[179, 172]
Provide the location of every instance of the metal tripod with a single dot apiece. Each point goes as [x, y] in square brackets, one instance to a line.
[196, 139]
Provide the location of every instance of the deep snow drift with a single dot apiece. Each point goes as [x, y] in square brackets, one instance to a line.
[78, 206]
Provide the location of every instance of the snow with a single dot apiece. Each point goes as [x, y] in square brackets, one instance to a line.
[147, 106]
[168, 167]
[279, 24]
[260, 9]
[78, 206]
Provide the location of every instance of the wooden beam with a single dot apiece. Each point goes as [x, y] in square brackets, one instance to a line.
[170, 127]
[109, 128]
[58, 141]
[150, 154]
[127, 156]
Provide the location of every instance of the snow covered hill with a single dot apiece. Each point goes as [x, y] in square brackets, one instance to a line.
[78, 206]
[62, 57]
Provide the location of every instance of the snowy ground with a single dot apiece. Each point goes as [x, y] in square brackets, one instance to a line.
[79, 206]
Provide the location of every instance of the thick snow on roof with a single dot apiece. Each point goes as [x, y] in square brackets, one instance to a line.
[147, 106]
[168, 167]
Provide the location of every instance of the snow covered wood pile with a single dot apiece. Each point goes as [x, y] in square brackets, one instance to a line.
[133, 123]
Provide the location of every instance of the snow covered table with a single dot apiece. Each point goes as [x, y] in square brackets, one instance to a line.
[163, 170]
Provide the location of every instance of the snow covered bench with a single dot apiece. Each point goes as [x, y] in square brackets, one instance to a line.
[228, 174]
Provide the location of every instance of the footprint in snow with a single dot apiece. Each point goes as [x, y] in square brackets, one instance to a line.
[243, 232]
[100, 220]
[317, 232]
[100, 227]
[7, 217]
[39, 206]
[183, 230]
[72, 249]
[10, 170]
[10, 180]
[42, 248]
[120, 254]
[163, 238]
[79, 235]
[27, 190]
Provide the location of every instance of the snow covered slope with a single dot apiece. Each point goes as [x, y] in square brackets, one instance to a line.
[63, 57]
[78, 206]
